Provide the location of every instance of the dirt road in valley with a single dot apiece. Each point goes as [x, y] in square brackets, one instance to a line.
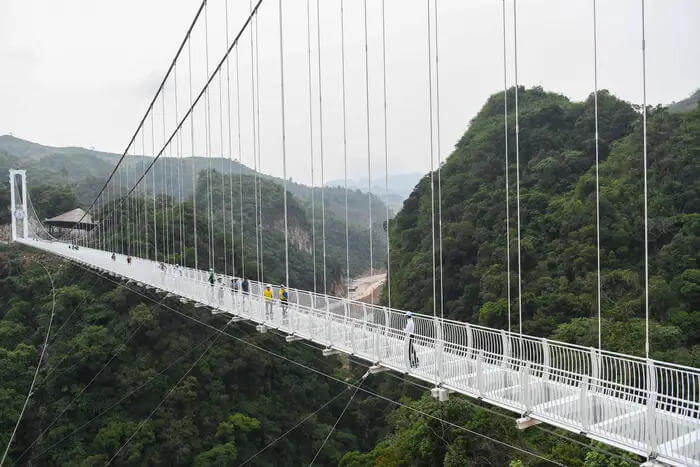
[365, 287]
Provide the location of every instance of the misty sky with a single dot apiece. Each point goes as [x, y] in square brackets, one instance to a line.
[77, 72]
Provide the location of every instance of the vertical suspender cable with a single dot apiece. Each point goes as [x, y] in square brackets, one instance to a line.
[432, 156]
[240, 158]
[320, 130]
[179, 177]
[223, 172]
[646, 212]
[207, 123]
[517, 168]
[284, 151]
[128, 205]
[255, 155]
[153, 191]
[386, 159]
[507, 165]
[439, 167]
[257, 103]
[137, 216]
[345, 143]
[257, 148]
[597, 177]
[164, 193]
[230, 146]
[369, 152]
[194, 165]
[121, 213]
[145, 190]
[311, 141]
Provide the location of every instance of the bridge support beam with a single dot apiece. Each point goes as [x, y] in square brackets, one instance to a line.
[327, 352]
[374, 369]
[261, 328]
[653, 463]
[292, 338]
[441, 394]
[524, 423]
[236, 319]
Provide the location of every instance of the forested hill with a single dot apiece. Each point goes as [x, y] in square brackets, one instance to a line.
[557, 207]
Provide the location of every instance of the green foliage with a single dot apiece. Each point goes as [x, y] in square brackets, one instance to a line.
[558, 225]
[233, 402]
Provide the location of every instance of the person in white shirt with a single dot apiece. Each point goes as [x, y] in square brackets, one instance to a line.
[409, 330]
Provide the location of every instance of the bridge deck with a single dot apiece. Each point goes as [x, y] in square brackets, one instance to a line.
[645, 407]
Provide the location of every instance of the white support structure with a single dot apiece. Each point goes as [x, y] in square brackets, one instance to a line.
[374, 369]
[606, 396]
[327, 352]
[523, 423]
[292, 338]
[19, 212]
[441, 394]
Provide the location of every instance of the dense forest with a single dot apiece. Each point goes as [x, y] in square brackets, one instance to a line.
[123, 362]
[218, 216]
[130, 365]
[558, 226]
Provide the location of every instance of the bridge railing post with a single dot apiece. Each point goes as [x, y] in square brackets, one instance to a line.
[470, 341]
[506, 357]
[480, 372]
[328, 322]
[583, 403]
[374, 330]
[439, 346]
[526, 387]
[546, 360]
[349, 333]
[650, 418]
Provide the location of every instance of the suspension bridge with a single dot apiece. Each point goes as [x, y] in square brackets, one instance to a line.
[135, 230]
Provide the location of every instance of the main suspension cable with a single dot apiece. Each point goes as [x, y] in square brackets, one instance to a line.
[149, 109]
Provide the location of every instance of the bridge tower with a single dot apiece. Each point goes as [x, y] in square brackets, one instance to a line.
[19, 211]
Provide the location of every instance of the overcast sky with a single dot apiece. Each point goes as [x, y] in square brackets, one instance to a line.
[78, 72]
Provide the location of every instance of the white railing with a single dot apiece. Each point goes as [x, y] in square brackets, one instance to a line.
[647, 407]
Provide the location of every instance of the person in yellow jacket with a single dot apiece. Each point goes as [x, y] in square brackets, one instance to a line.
[267, 293]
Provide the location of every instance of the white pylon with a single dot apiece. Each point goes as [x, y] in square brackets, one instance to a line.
[19, 212]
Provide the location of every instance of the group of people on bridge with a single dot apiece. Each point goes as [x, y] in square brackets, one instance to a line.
[240, 287]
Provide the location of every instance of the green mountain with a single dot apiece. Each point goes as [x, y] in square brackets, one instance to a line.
[685, 105]
[245, 394]
[557, 201]
[61, 178]
[218, 215]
